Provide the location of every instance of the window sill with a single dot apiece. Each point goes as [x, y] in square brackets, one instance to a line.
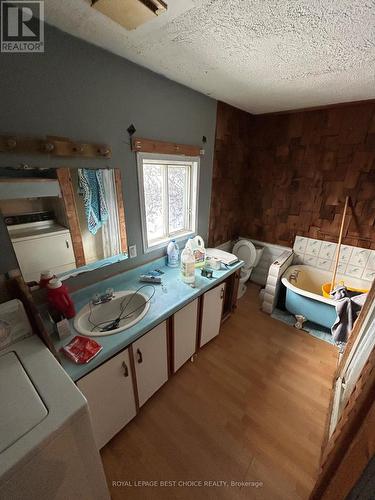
[164, 242]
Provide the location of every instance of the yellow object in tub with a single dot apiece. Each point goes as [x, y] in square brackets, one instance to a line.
[326, 287]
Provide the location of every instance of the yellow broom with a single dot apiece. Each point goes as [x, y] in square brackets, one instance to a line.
[328, 287]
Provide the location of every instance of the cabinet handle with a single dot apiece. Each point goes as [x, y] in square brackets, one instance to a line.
[222, 293]
[140, 357]
[126, 371]
[67, 243]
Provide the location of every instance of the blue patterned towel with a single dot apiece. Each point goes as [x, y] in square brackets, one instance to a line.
[91, 184]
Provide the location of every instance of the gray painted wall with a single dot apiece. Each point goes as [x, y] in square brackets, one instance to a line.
[82, 92]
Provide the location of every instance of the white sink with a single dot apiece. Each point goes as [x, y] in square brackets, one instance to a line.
[120, 313]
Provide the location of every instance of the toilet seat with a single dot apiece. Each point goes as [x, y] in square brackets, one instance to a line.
[250, 255]
[246, 251]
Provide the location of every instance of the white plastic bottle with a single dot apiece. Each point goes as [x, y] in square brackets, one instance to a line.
[197, 246]
[173, 253]
[187, 266]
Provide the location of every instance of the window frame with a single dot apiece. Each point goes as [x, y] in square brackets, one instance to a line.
[193, 195]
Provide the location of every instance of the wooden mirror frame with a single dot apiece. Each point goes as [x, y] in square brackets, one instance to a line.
[67, 191]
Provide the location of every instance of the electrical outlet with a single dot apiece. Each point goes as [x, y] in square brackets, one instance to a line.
[133, 251]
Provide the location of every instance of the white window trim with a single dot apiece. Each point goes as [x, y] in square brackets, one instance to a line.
[194, 197]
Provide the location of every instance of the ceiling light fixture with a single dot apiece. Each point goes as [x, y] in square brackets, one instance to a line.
[130, 13]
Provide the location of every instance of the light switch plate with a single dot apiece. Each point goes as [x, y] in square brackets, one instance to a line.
[133, 251]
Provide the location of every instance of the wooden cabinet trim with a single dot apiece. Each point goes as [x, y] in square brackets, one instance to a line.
[134, 376]
[170, 344]
[199, 322]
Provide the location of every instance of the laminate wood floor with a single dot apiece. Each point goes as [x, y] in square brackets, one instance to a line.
[252, 407]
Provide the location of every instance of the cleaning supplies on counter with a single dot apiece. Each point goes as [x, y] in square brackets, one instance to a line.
[173, 253]
[197, 247]
[207, 273]
[213, 263]
[45, 278]
[187, 266]
[59, 298]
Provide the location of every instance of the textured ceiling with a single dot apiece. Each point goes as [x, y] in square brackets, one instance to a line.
[258, 55]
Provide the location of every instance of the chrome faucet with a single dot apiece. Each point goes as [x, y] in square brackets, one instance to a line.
[294, 275]
[103, 298]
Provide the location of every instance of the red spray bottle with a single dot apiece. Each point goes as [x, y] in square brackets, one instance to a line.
[59, 298]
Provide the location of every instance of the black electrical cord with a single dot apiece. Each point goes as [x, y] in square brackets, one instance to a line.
[112, 324]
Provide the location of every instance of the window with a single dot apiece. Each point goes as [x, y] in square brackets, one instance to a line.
[168, 188]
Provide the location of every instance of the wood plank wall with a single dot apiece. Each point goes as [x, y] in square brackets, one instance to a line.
[294, 173]
[231, 156]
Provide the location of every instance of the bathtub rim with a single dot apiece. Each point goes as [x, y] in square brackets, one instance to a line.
[300, 291]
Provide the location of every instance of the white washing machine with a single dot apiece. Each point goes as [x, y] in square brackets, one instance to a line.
[47, 447]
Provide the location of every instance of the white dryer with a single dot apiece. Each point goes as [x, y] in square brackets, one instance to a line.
[47, 447]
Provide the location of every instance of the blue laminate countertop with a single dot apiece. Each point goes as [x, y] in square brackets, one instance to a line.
[164, 303]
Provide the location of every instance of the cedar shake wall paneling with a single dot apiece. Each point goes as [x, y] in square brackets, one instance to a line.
[231, 159]
[295, 172]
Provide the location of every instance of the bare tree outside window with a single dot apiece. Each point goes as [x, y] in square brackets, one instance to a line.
[169, 193]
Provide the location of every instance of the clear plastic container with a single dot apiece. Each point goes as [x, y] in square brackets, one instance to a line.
[188, 266]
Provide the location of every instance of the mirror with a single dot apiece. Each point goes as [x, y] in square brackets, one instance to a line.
[64, 220]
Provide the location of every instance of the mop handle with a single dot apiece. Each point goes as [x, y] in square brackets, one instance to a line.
[339, 245]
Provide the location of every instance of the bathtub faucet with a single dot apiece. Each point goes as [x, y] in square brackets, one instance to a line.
[103, 298]
[294, 275]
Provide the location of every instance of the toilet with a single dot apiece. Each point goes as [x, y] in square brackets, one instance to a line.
[248, 252]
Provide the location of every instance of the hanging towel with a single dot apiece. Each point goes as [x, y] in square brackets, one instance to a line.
[110, 231]
[347, 309]
[91, 184]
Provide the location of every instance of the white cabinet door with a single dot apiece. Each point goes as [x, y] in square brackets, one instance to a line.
[184, 333]
[151, 362]
[110, 395]
[211, 313]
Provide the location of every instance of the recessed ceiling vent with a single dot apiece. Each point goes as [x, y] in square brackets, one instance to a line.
[130, 13]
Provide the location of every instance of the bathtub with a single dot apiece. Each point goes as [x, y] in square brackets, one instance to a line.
[304, 293]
